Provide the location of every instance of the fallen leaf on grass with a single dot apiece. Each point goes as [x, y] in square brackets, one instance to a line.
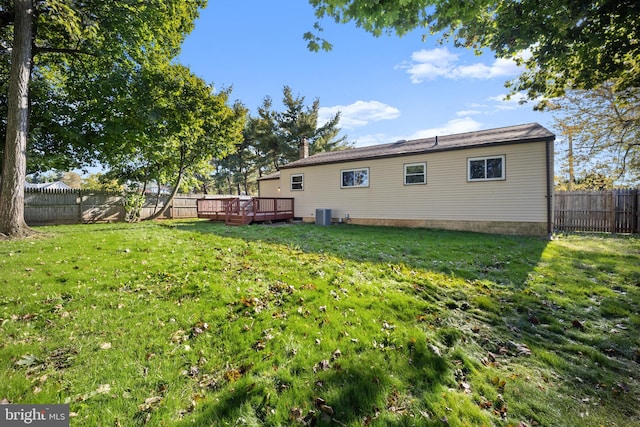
[466, 387]
[326, 409]
[322, 366]
[523, 350]
[28, 360]
[199, 328]
[103, 389]
[295, 414]
[435, 350]
[322, 405]
[486, 404]
[578, 325]
[150, 403]
[498, 383]
[179, 336]
[621, 387]
[232, 375]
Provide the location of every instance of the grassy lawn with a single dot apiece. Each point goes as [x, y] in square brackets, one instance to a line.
[194, 323]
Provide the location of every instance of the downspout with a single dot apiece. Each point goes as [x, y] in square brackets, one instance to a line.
[549, 166]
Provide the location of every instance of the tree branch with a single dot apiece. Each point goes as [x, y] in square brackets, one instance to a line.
[68, 51]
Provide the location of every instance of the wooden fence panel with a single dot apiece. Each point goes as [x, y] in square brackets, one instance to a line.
[43, 206]
[52, 206]
[612, 211]
[101, 207]
[184, 207]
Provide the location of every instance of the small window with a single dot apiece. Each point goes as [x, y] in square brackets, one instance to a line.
[352, 178]
[297, 182]
[415, 173]
[486, 169]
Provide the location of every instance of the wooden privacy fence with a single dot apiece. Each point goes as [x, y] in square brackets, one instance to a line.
[611, 211]
[51, 206]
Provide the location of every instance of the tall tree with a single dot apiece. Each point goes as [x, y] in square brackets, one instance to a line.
[175, 124]
[278, 135]
[94, 36]
[571, 44]
[14, 161]
[604, 126]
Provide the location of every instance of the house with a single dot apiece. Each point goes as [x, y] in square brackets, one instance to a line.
[495, 181]
[56, 185]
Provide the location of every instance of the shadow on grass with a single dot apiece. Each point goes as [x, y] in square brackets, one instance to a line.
[501, 258]
[352, 393]
[571, 315]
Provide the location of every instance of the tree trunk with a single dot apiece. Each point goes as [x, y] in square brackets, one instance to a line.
[170, 199]
[14, 166]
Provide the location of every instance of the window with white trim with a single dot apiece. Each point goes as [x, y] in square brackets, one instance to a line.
[297, 182]
[353, 178]
[486, 168]
[415, 173]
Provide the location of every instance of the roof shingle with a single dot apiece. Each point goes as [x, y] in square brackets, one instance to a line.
[507, 135]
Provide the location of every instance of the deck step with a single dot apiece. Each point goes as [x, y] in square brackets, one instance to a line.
[237, 220]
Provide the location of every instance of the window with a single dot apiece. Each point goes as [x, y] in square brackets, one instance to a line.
[486, 169]
[354, 178]
[297, 182]
[415, 173]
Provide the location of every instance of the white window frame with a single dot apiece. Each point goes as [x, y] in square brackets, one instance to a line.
[292, 183]
[503, 176]
[424, 173]
[355, 170]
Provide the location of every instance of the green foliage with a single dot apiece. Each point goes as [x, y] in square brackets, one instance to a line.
[272, 139]
[576, 45]
[81, 49]
[101, 182]
[592, 181]
[277, 135]
[133, 202]
[195, 323]
[72, 48]
[604, 127]
[176, 125]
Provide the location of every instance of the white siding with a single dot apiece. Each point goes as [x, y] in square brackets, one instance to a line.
[446, 196]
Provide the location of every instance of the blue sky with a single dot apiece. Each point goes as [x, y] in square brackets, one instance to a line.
[386, 88]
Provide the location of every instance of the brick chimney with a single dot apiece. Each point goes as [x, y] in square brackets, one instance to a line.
[304, 148]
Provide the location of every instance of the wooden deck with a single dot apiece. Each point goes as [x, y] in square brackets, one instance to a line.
[236, 211]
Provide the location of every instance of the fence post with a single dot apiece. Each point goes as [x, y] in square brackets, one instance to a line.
[613, 211]
[80, 207]
[635, 202]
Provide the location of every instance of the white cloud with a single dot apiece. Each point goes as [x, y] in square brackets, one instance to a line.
[375, 139]
[461, 125]
[360, 113]
[439, 55]
[508, 104]
[439, 62]
[464, 113]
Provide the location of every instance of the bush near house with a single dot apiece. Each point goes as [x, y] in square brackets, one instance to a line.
[194, 323]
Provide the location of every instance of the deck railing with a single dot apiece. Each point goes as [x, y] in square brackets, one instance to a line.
[234, 210]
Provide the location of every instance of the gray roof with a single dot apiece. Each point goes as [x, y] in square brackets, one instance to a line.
[274, 175]
[507, 135]
[56, 185]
